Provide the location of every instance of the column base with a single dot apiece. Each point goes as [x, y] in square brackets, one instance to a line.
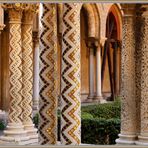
[35, 105]
[99, 99]
[15, 135]
[142, 140]
[89, 99]
[31, 132]
[126, 139]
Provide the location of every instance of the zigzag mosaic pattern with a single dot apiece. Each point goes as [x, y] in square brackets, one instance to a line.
[48, 76]
[70, 103]
[15, 69]
[27, 76]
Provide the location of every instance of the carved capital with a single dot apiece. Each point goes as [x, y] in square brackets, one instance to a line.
[2, 27]
[129, 9]
[29, 12]
[31, 7]
[102, 41]
[14, 11]
[28, 17]
[92, 42]
[15, 15]
[142, 10]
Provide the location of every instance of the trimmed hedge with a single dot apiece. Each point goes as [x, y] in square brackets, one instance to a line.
[107, 110]
[100, 131]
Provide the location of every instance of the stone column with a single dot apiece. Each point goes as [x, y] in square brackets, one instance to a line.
[128, 132]
[1, 29]
[1, 99]
[98, 96]
[118, 65]
[142, 39]
[48, 76]
[15, 133]
[91, 94]
[27, 74]
[36, 72]
[102, 44]
[70, 82]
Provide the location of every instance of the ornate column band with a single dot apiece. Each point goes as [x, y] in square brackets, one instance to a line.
[70, 83]
[128, 100]
[15, 65]
[27, 68]
[48, 76]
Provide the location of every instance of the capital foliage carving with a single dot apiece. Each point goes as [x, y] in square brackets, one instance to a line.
[16, 9]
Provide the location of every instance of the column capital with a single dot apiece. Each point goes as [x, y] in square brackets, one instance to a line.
[14, 11]
[142, 10]
[29, 12]
[102, 41]
[92, 42]
[128, 9]
[2, 26]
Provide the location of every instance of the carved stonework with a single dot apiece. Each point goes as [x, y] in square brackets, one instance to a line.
[144, 71]
[2, 27]
[29, 12]
[27, 67]
[128, 99]
[14, 11]
[128, 112]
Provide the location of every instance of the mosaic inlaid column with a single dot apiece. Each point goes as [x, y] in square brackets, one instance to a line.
[27, 72]
[70, 82]
[143, 47]
[15, 130]
[128, 133]
[48, 76]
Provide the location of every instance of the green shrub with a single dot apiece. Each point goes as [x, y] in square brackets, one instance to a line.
[2, 125]
[107, 110]
[100, 131]
[86, 115]
[36, 120]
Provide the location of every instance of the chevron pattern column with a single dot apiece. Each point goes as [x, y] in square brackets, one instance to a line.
[15, 132]
[48, 76]
[70, 83]
[27, 68]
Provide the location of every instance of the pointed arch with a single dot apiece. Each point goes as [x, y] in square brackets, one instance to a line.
[115, 9]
